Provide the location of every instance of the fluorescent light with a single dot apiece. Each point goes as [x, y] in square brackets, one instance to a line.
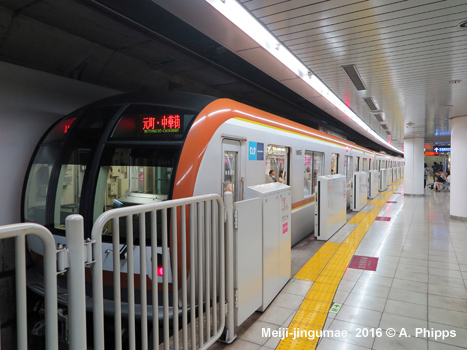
[239, 16]
[371, 103]
[354, 76]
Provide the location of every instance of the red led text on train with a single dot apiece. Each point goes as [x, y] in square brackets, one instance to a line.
[166, 123]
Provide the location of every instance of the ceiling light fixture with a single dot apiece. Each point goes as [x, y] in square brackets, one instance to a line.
[354, 76]
[455, 81]
[243, 19]
[371, 103]
[379, 117]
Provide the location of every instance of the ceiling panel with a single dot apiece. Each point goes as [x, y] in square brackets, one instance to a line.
[405, 51]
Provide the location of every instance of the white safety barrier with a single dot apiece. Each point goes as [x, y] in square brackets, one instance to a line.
[199, 294]
[195, 240]
[19, 232]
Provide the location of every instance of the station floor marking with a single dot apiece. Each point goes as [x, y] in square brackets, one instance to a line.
[326, 269]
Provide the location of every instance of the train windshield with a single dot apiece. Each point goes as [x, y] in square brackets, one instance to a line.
[70, 184]
[57, 177]
[38, 184]
[132, 175]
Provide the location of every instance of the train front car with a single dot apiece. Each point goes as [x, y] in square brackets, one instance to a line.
[121, 151]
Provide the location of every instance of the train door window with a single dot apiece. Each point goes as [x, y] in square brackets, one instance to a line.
[348, 163]
[308, 187]
[357, 164]
[314, 167]
[334, 163]
[318, 167]
[232, 181]
[38, 185]
[364, 160]
[277, 160]
[70, 183]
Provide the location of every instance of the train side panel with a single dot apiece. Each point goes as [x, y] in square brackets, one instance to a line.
[210, 176]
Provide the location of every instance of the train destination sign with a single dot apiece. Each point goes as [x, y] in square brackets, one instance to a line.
[161, 123]
[148, 125]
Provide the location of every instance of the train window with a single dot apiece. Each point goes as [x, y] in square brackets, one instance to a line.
[308, 186]
[348, 163]
[230, 173]
[69, 186]
[318, 166]
[364, 160]
[334, 163]
[277, 159]
[231, 167]
[38, 184]
[132, 176]
[314, 167]
[357, 164]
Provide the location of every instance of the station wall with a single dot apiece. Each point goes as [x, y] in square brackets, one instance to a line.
[30, 101]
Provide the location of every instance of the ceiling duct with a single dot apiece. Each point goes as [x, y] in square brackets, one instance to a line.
[384, 126]
[371, 103]
[353, 74]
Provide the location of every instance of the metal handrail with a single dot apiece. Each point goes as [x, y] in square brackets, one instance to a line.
[19, 232]
[209, 230]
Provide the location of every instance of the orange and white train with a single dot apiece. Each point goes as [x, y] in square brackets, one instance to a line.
[142, 148]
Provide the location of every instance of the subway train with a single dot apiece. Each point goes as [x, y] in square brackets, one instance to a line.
[143, 148]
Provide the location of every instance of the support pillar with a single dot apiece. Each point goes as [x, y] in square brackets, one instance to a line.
[458, 167]
[414, 166]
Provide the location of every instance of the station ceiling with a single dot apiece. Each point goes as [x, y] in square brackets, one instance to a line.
[407, 53]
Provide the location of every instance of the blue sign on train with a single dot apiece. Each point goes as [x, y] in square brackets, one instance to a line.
[255, 151]
[260, 151]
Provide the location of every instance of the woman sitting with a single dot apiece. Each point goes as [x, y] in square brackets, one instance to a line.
[439, 181]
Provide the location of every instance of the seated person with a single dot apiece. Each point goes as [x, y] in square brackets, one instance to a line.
[271, 177]
[439, 181]
[281, 176]
[447, 183]
[228, 187]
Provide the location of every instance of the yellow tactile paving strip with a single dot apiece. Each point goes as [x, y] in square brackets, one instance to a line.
[316, 264]
[326, 269]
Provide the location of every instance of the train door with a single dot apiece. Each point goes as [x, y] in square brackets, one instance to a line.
[231, 169]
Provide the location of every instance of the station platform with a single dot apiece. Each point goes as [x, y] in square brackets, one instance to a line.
[393, 278]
